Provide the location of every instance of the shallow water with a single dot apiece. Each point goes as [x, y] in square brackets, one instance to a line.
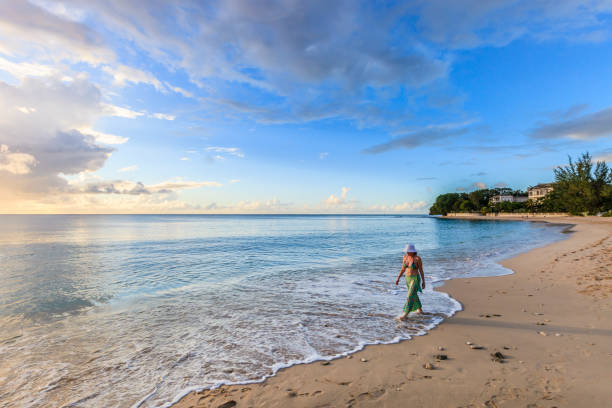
[119, 311]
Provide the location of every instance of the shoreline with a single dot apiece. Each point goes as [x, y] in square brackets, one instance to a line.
[317, 383]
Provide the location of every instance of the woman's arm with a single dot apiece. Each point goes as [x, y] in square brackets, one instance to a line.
[401, 272]
[421, 272]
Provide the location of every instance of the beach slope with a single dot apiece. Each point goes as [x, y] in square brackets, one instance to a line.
[550, 321]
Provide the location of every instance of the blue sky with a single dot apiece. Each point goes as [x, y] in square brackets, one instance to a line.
[281, 106]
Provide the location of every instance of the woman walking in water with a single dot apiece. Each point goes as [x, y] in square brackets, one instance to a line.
[415, 280]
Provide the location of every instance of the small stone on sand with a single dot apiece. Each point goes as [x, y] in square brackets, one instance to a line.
[428, 366]
[441, 348]
[441, 357]
[469, 343]
[542, 333]
[363, 360]
[228, 404]
[475, 347]
[498, 357]
[325, 363]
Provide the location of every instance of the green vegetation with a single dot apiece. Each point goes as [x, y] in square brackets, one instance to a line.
[477, 201]
[579, 188]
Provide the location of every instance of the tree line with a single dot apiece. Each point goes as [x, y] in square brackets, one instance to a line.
[580, 187]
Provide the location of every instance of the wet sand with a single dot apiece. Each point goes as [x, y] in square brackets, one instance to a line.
[551, 321]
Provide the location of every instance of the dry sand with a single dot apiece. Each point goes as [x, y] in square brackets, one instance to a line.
[551, 321]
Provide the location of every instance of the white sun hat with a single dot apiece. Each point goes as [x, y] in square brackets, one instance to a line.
[410, 248]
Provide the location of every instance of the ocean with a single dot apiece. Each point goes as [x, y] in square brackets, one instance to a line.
[136, 310]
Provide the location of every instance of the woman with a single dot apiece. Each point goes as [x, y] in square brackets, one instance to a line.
[415, 279]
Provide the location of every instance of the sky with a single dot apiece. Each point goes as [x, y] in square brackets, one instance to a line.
[286, 106]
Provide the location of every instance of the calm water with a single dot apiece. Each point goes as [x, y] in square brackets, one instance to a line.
[120, 311]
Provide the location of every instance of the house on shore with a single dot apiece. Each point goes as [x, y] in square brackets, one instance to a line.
[539, 191]
[497, 199]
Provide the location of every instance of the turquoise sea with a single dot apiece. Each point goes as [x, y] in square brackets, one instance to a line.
[128, 311]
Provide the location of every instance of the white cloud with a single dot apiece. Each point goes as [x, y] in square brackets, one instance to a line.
[163, 116]
[181, 185]
[179, 90]
[25, 109]
[133, 167]
[21, 70]
[184, 158]
[101, 137]
[113, 110]
[409, 206]
[122, 74]
[234, 151]
[234, 181]
[16, 163]
[341, 201]
[323, 155]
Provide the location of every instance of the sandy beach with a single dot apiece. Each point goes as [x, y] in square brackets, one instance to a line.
[551, 321]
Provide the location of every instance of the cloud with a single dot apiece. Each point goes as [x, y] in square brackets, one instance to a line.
[419, 137]
[133, 167]
[587, 127]
[474, 23]
[234, 151]
[16, 163]
[273, 205]
[323, 155]
[341, 201]
[234, 181]
[112, 110]
[426, 178]
[101, 137]
[311, 60]
[181, 185]
[604, 155]
[479, 185]
[48, 133]
[25, 109]
[136, 188]
[184, 158]
[163, 116]
[122, 74]
[22, 70]
[501, 184]
[28, 30]
[408, 206]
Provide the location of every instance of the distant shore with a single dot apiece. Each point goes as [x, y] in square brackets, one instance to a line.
[550, 321]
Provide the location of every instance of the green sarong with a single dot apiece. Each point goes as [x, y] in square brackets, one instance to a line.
[414, 286]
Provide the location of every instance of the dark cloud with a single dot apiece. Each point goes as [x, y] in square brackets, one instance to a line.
[587, 127]
[417, 138]
[569, 112]
[38, 119]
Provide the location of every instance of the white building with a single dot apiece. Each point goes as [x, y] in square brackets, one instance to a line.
[507, 199]
[539, 191]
